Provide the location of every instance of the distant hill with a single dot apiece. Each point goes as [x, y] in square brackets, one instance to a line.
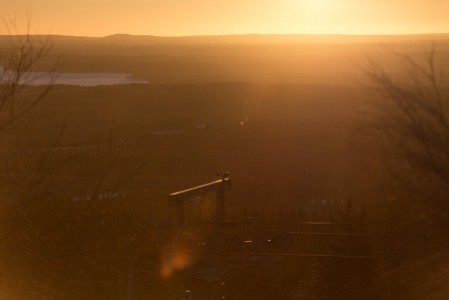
[305, 59]
[273, 38]
[246, 39]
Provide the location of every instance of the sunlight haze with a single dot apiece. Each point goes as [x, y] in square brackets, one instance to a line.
[200, 17]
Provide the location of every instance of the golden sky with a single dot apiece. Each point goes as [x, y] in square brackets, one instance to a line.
[213, 17]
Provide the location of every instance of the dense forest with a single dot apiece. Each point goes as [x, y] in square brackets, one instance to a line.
[337, 153]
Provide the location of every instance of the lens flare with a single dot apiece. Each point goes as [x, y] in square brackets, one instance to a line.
[175, 255]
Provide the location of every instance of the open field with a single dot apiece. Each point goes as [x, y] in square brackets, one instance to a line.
[329, 60]
[260, 107]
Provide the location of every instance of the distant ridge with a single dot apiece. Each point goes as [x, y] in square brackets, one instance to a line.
[123, 38]
[275, 38]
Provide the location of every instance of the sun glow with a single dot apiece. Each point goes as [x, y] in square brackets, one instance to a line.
[316, 4]
[317, 16]
[200, 17]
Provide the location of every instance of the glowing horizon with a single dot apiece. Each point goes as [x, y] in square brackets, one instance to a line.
[201, 17]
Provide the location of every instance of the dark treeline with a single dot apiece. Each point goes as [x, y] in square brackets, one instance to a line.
[338, 192]
[97, 213]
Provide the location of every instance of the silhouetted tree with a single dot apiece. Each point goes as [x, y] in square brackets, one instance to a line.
[412, 112]
[352, 277]
[20, 58]
[68, 212]
[412, 115]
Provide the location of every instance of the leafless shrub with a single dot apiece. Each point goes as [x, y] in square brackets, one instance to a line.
[413, 113]
[20, 58]
[67, 211]
[411, 119]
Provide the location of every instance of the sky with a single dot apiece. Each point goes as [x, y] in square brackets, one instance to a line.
[218, 17]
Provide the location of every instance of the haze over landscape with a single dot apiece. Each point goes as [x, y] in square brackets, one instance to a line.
[209, 150]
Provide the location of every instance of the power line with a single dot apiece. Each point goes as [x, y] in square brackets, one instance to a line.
[355, 234]
[312, 255]
[306, 255]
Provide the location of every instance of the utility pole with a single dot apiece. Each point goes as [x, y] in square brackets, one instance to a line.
[177, 200]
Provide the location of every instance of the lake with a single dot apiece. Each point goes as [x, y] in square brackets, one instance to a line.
[78, 79]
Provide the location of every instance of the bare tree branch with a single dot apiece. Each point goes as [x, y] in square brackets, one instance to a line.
[413, 110]
[20, 58]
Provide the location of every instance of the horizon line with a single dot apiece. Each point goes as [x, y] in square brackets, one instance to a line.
[239, 34]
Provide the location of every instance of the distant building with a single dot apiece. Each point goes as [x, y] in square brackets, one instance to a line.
[105, 196]
[201, 126]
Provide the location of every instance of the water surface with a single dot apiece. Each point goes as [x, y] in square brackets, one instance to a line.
[78, 79]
